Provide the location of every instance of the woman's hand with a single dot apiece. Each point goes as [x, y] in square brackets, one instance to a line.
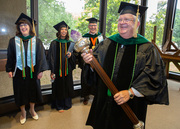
[68, 54]
[10, 74]
[40, 75]
[52, 76]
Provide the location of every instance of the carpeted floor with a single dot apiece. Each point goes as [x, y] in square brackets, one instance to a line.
[166, 117]
[158, 116]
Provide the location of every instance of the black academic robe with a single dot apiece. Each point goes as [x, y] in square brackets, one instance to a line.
[62, 87]
[26, 89]
[149, 79]
[85, 88]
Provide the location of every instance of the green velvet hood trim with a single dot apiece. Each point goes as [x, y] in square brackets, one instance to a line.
[139, 40]
[90, 35]
[26, 38]
[62, 40]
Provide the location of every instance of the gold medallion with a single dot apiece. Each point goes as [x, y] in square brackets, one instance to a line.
[93, 47]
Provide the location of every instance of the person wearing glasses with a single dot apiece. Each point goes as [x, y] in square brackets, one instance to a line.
[134, 66]
[26, 62]
[95, 38]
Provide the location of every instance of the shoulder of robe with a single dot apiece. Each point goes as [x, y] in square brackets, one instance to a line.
[146, 47]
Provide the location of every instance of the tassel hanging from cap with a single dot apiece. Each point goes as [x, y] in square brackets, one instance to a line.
[135, 25]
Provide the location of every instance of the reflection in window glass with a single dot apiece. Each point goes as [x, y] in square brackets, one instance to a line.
[9, 12]
[176, 29]
[156, 17]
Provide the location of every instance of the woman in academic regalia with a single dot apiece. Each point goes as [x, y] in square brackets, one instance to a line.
[61, 63]
[26, 62]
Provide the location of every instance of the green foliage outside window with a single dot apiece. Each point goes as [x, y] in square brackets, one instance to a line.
[158, 20]
[52, 12]
[91, 9]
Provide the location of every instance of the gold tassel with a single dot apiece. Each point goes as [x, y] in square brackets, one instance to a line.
[34, 30]
[32, 67]
[135, 25]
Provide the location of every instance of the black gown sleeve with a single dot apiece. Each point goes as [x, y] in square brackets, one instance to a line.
[41, 57]
[151, 79]
[51, 57]
[11, 56]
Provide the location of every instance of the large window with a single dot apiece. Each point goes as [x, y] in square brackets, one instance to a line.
[91, 9]
[74, 12]
[156, 17]
[51, 12]
[9, 12]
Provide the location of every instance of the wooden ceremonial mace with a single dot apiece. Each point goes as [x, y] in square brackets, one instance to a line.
[82, 45]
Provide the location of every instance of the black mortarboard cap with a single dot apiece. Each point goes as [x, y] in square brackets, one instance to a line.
[131, 8]
[57, 26]
[92, 20]
[24, 16]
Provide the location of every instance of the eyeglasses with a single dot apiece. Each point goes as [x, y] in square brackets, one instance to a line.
[23, 25]
[125, 20]
[92, 25]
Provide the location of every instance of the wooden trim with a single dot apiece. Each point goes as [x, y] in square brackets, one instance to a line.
[168, 56]
[3, 64]
[174, 76]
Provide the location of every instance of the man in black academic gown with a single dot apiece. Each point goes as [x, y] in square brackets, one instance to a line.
[136, 69]
[95, 38]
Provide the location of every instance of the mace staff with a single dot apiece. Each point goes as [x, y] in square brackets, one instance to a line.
[82, 45]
